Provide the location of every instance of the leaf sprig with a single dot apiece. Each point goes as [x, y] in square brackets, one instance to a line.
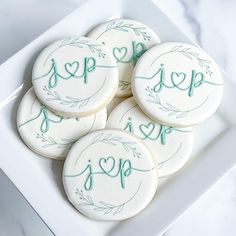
[70, 101]
[80, 43]
[123, 85]
[187, 52]
[125, 27]
[112, 140]
[170, 109]
[50, 141]
[104, 207]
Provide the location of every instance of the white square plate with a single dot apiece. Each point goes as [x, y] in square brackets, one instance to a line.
[39, 179]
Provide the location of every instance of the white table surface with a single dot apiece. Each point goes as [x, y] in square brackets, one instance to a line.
[211, 23]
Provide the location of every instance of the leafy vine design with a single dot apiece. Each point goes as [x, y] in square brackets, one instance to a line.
[72, 102]
[170, 109]
[123, 85]
[80, 43]
[104, 207]
[125, 27]
[69, 101]
[190, 54]
[50, 141]
[187, 52]
[113, 140]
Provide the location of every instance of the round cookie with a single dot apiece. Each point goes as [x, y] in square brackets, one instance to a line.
[75, 76]
[171, 147]
[127, 40]
[177, 84]
[110, 175]
[51, 135]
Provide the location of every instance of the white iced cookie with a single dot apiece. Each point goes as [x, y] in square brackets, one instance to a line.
[177, 84]
[127, 40]
[110, 175]
[75, 76]
[51, 135]
[171, 147]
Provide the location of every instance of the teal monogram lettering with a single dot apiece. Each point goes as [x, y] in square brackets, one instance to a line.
[71, 69]
[110, 167]
[120, 54]
[45, 125]
[129, 126]
[151, 131]
[178, 80]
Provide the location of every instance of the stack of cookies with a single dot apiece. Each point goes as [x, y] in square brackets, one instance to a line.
[118, 106]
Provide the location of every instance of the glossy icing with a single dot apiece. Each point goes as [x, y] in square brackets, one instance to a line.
[171, 147]
[110, 175]
[177, 84]
[51, 135]
[75, 76]
[127, 40]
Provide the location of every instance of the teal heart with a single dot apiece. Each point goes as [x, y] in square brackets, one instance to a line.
[107, 164]
[147, 129]
[177, 78]
[72, 68]
[119, 53]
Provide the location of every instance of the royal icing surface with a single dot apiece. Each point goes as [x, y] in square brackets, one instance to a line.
[75, 76]
[110, 175]
[51, 135]
[171, 147]
[177, 84]
[127, 40]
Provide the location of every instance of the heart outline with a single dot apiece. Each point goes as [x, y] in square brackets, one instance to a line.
[71, 65]
[177, 75]
[105, 160]
[119, 50]
[146, 126]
